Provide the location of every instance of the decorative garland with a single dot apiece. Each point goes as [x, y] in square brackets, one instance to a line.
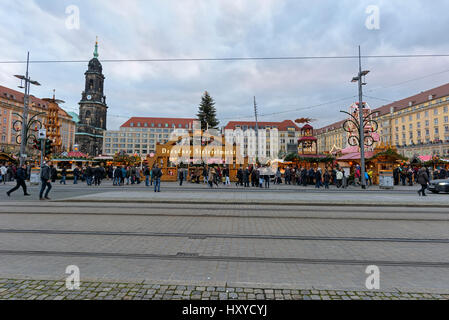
[294, 156]
[389, 152]
[70, 158]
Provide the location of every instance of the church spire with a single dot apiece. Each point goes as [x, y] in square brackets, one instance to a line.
[96, 49]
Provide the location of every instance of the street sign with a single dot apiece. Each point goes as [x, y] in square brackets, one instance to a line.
[34, 176]
[42, 133]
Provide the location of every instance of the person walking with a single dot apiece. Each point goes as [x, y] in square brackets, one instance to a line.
[181, 175]
[267, 177]
[278, 176]
[205, 175]
[45, 180]
[20, 181]
[339, 176]
[246, 177]
[3, 171]
[318, 178]
[239, 177]
[98, 174]
[357, 176]
[63, 176]
[89, 175]
[370, 177]
[147, 174]
[227, 181]
[76, 174]
[423, 180]
[54, 173]
[157, 174]
[254, 177]
[326, 178]
[210, 177]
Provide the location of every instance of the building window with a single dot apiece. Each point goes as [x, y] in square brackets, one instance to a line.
[435, 111]
[435, 121]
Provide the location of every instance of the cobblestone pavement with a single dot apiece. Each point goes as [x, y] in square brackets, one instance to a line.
[19, 289]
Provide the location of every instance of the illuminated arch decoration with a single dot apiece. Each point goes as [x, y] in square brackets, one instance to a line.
[352, 126]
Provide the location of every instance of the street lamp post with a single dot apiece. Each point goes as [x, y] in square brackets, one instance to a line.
[361, 83]
[23, 135]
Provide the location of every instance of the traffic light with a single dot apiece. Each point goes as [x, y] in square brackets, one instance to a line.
[48, 147]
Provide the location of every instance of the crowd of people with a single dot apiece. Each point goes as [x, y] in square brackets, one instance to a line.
[408, 175]
[252, 176]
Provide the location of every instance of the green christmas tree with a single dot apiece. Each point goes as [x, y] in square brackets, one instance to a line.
[207, 112]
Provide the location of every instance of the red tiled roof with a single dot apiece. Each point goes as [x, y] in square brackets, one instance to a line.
[148, 120]
[416, 99]
[18, 97]
[281, 126]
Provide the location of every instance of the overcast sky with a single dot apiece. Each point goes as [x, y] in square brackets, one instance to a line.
[220, 29]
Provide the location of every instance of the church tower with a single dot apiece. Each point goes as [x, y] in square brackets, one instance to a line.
[93, 109]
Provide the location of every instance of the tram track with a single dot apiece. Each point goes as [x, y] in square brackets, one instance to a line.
[186, 256]
[203, 236]
[231, 206]
[296, 216]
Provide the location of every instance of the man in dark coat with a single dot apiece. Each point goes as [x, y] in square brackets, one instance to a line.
[246, 177]
[45, 180]
[89, 175]
[423, 180]
[54, 173]
[318, 178]
[76, 174]
[98, 175]
[157, 174]
[21, 176]
[239, 177]
[117, 176]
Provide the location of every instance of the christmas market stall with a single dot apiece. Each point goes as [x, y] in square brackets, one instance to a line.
[182, 153]
[379, 162]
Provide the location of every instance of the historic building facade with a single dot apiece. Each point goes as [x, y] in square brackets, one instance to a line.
[417, 125]
[11, 102]
[140, 135]
[92, 110]
[286, 140]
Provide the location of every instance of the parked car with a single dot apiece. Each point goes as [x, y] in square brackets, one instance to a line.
[439, 185]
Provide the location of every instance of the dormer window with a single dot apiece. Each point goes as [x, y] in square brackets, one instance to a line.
[131, 124]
